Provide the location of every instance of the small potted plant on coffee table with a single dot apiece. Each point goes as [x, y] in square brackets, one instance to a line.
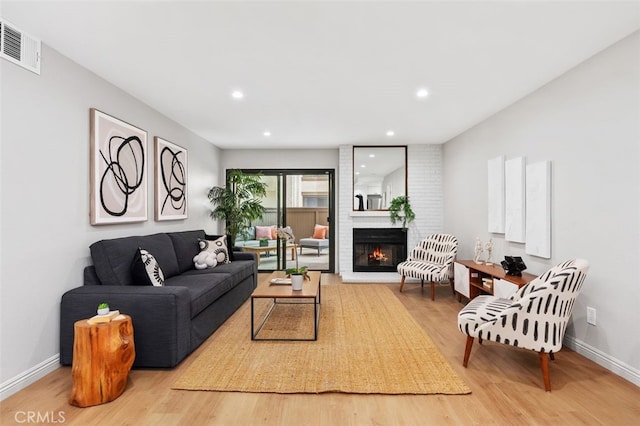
[298, 274]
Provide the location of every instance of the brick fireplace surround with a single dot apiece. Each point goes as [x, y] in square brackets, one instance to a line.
[424, 181]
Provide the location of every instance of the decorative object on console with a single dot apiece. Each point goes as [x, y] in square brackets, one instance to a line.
[488, 247]
[118, 177]
[513, 265]
[171, 180]
[478, 251]
[402, 205]
[239, 202]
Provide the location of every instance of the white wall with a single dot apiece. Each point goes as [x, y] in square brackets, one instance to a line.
[45, 230]
[587, 122]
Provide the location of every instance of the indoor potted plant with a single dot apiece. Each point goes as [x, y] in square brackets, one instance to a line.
[103, 309]
[298, 275]
[239, 202]
[400, 209]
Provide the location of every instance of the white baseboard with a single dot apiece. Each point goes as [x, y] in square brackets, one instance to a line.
[610, 363]
[24, 379]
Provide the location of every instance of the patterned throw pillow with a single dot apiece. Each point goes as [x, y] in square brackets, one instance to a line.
[146, 270]
[217, 247]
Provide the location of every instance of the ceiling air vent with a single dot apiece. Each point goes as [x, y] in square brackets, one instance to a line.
[18, 47]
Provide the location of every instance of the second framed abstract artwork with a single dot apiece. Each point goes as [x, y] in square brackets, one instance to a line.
[170, 180]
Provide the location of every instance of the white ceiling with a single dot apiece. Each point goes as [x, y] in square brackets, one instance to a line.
[322, 74]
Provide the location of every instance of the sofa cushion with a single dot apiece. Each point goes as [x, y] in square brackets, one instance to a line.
[218, 247]
[229, 243]
[204, 289]
[186, 247]
[239, 269]
[319, 232]
[145, 269]
[264, 232]
[112, 258]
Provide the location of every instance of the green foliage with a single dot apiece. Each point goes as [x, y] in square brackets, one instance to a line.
[302, 270]
[103, 306]
[400, 209]
[238, 203]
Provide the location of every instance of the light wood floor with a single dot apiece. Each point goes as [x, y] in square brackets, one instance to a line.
[506, 388]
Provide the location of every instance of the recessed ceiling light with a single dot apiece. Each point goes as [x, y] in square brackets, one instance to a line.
[372, 155]
[422, 93]
[237, 94]
[390, 133]
[363, 165]
[267, 133]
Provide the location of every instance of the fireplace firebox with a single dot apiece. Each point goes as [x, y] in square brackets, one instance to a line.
[378, 249]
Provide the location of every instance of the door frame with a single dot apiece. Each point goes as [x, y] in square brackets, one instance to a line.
[331, 173]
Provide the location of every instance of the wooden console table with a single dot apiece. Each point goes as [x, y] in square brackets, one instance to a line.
[102, 357]
[473, 279]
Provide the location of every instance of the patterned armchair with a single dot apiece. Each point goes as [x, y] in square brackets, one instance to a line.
[534, 318]
[431, 260]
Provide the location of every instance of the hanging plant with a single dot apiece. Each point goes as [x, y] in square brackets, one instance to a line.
[400, 209]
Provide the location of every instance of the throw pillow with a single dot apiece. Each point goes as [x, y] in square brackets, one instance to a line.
[263, 232]
[204, 260]
[229, 243]
[274, 233]
[146, 270]
[319, 232]
[218, 248]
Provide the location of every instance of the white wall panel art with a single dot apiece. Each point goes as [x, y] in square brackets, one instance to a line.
[538, 209]
[514, 220]
[495, 191]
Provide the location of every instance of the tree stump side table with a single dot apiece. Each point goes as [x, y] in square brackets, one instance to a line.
[102, 357]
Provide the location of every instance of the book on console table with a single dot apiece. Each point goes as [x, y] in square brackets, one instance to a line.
[97, 319]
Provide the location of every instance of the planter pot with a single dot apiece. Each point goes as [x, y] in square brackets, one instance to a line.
[296, 282]
[103, 311]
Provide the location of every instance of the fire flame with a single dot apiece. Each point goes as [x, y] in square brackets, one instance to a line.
[378, 255]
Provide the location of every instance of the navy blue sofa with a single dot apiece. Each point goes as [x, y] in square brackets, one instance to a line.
[169, 322]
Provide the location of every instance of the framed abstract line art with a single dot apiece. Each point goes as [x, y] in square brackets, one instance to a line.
[171, 180]
[118, 171]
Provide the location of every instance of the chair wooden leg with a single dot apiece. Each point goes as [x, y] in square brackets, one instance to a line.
[402, 283]
[552, 356]
[544, 364]
[453, 289]
[433, 290]
[467, 351]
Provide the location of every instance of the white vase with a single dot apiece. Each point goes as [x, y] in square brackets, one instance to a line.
[103, 311]
[296, 282]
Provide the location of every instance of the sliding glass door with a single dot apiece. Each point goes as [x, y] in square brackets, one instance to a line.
[302, 200]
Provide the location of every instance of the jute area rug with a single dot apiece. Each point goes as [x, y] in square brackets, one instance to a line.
[368, 343]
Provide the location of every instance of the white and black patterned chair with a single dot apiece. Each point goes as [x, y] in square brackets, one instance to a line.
[534, 318]
[431, 260]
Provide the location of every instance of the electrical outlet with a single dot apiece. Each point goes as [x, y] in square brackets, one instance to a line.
[591, 315]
